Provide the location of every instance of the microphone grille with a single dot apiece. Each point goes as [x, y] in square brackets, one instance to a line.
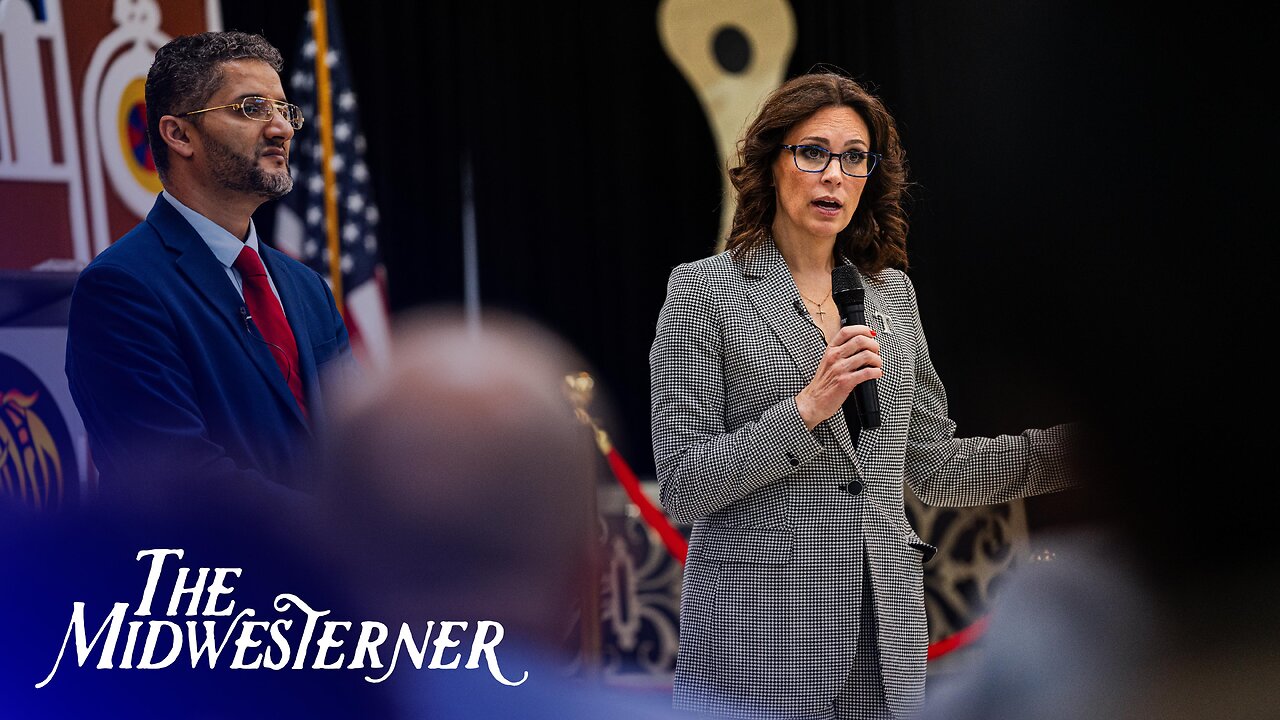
[845, 278]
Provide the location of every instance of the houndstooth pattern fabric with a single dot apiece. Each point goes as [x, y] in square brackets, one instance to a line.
[772, 612]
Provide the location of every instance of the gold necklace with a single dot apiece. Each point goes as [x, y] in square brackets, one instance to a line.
[817, 304]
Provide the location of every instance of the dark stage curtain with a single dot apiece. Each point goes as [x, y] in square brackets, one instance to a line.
[1057, 147]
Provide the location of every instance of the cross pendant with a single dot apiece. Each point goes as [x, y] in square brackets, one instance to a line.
[821, 314]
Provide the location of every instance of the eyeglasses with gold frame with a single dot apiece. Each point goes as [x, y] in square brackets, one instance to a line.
[261, 109]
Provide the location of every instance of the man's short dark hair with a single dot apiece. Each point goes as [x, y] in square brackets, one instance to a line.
[187, 71]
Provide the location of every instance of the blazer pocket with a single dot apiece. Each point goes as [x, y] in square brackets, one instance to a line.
[927, 551]
[325, 351]
[718, 543]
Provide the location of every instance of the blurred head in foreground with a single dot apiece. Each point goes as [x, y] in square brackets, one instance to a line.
[460, 482]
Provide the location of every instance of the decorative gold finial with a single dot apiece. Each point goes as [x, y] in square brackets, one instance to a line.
[580, 388]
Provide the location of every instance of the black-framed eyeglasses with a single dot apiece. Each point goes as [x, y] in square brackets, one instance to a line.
[261, 109]
[815, 159]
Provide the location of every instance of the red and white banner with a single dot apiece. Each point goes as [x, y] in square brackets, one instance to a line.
[75, 169]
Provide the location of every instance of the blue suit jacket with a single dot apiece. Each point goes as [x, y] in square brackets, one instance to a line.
[175, 390]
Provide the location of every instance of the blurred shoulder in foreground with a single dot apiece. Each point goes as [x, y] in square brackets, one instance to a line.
[460, 487]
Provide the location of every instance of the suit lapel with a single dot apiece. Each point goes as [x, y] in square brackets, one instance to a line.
[773, 291]
[197, 263]
[840, 428]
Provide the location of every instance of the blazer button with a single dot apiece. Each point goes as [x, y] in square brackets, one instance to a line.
[791, 458]
[853, 487]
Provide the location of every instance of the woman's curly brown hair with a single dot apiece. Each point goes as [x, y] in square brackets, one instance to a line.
[876, 237]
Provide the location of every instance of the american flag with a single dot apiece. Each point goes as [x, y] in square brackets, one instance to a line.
[301, 227]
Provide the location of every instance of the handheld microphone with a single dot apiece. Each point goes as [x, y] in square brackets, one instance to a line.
[848, 293]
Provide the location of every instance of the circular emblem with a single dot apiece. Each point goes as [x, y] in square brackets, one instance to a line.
[136, 152]
[37, 459]
[121, 105]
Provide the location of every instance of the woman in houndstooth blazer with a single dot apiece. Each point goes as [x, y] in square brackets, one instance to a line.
[803, 591]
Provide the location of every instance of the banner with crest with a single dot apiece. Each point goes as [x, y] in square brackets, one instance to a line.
[75, 173]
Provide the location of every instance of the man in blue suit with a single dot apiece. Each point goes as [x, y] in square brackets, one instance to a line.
[197, 355]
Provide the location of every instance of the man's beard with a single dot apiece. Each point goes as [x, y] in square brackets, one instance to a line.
[242, 173]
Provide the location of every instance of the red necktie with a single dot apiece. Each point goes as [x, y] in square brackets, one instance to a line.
[268, 315]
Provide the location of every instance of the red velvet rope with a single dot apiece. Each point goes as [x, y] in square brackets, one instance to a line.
[653, 516]
[958, 639]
